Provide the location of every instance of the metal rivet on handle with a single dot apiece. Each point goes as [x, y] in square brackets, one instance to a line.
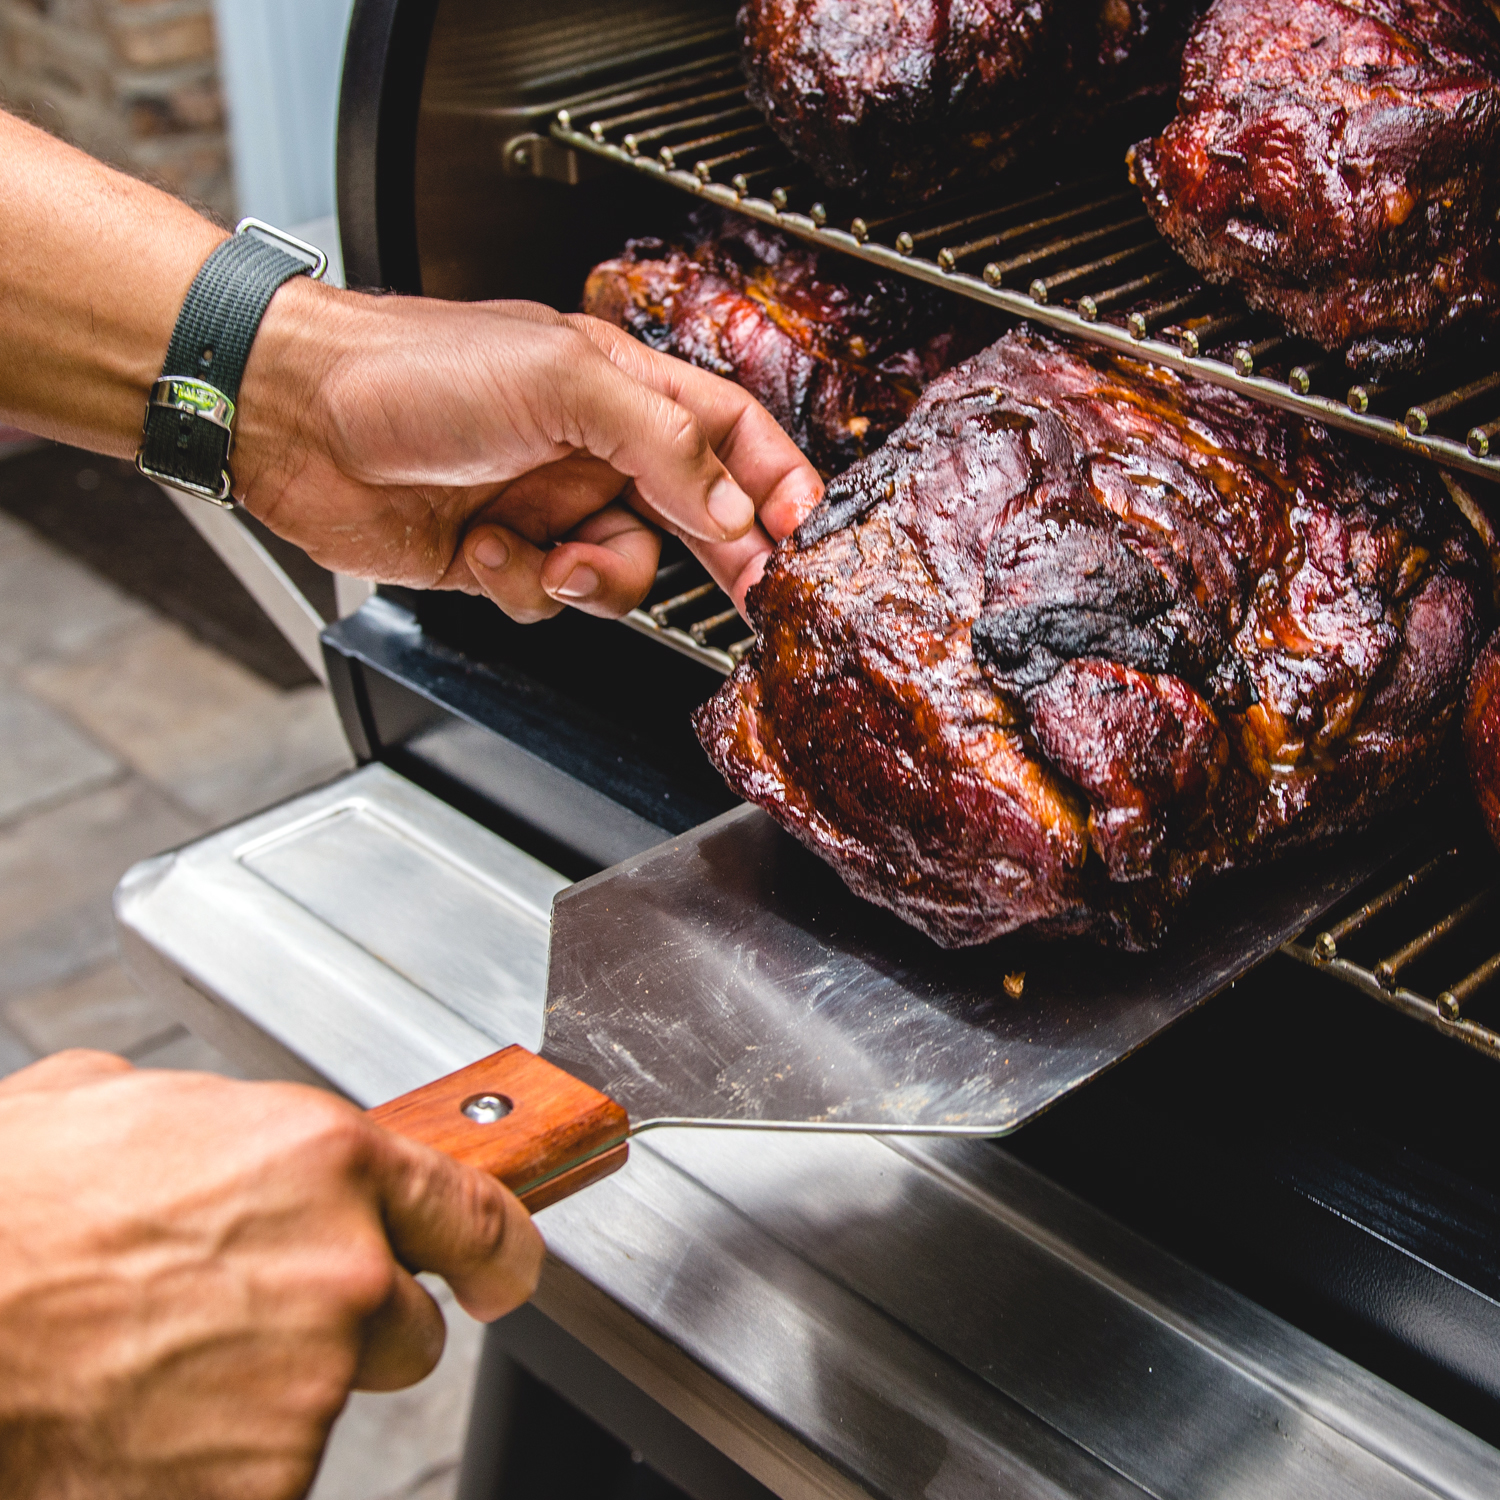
[486, 1109]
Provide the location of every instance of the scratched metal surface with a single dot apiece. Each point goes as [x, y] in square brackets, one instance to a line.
[728, 977]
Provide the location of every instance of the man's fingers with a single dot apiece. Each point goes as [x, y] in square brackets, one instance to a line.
[65, 1070]
[656, 441]
[771, 469]
[736, 566]
[468, 1228]
[508, 569]
[403, 1340]
[607, 565]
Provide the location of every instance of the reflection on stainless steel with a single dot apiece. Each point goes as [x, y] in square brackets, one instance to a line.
[345, 915]
[843, 1316]
[729, 976]
[1425, 944]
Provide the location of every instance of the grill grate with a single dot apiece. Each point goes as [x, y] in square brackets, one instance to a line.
[693, 615]
[1427, 945]
[1083, 258]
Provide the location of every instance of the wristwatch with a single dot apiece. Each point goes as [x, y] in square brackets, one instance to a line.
[189, 427]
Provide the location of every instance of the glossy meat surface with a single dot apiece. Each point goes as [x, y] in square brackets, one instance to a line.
[1338, 161]
[1482, 735]
[890, 99]
[1082, 634]
[837, 354]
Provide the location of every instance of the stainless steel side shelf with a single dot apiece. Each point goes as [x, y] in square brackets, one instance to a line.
[842, 1316]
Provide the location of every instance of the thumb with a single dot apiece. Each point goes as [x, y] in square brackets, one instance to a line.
[65, 1070]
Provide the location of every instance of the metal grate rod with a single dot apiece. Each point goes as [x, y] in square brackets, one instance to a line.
[949, 256]
[600, 128]
[1148, 318]
[652, 86]
[1362, 395]
[1194, 340]
[1248, 357]
[1024, 205]
[662, 613]
[1451, 1001]
[709, 165]
[1327, 944]
[1480, 438]
[705, 628]
[638, 138]
[669, 154]
[1420, 418]
[1128, 291]
[996, 271]
[1042, 287]
[1300, 377]
[1388, 970]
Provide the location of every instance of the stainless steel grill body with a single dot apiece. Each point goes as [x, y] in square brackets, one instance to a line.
[1315, 1151]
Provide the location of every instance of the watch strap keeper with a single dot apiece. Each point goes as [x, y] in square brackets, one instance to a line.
[189, 426]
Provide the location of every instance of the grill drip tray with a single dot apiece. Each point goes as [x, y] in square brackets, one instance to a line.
[1080, 256]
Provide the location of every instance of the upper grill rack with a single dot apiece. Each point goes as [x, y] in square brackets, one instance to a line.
[1082, 257]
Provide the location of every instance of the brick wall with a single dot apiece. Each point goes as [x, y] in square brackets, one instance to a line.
[132, 81]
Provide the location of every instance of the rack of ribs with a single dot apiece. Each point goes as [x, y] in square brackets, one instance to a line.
[891, 100]
[1082, 634]
[1338, 161]
[837, 355]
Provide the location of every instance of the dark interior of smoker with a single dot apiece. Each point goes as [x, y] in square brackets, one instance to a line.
[1331, 1158]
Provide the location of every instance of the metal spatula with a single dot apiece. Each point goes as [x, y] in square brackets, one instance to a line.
[728, 978]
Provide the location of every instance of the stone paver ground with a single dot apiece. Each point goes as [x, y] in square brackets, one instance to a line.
[120, 736]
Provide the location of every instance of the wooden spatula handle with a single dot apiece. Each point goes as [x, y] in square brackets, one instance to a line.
[539, 1130]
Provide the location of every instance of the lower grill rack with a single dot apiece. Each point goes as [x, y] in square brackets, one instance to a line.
[1080, 256]
[1427, 945]
[689, 612]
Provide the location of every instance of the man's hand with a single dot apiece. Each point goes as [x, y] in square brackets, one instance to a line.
[194, 1272]
[505, 449]
[496, 447]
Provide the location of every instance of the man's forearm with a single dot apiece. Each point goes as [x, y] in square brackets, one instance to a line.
[79, 365]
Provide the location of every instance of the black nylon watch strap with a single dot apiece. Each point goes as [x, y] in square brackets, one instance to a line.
[188, 429]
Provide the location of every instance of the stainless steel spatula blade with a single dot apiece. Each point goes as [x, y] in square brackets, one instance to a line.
[728, 977]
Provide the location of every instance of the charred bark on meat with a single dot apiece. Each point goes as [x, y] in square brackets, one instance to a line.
[1338, 162]
[1083, 634]
[836, 353]
[890, 101]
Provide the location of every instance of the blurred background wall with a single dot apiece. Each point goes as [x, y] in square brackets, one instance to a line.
[231, 103]
[135, 82]
[280, 63]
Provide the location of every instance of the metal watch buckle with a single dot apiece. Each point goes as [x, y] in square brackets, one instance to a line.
[184, 393]
[290, 241]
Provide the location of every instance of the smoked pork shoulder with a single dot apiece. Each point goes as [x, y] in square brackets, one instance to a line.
[1482, 735]
[1081, 635]
[836, 353]
[1338, 162]
[890, 99]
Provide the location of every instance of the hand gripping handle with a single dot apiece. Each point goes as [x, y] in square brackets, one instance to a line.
[539, 1130]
